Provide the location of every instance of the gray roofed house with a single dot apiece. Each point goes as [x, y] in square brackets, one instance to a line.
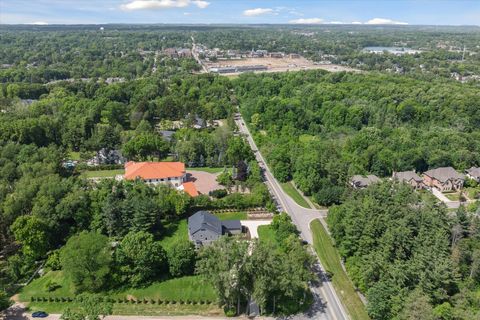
[444, 179]
[410, 177]
[473, 173]
[167, 135]
[204, 227]
[359, 182]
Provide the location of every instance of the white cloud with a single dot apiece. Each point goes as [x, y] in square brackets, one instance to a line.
[384, 21]
[357, 22]
[335, 22]
[39, 23]
[201, 4]
[162, 4]
[257, 12]
[307, 21]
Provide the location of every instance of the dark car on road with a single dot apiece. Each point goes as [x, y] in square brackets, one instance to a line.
[39, 314]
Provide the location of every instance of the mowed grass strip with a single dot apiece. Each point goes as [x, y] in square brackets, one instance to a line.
[294, 194]
[137, 309]
[232, 215]
[102, 173]
[331, 262]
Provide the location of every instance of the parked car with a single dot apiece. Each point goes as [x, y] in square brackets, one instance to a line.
[39, 314]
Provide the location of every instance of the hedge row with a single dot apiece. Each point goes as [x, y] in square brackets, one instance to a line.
[122, 300]
[236, 210]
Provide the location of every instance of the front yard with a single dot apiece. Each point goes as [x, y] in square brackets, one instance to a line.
[178, 296]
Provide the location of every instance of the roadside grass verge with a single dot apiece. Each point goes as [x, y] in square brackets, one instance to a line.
[331, 261]
[294, 194]
[102, 173]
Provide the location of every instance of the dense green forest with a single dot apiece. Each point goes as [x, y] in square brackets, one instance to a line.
[411, 258]
[320, 128]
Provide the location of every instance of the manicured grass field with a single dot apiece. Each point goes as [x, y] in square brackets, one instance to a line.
[103, 173]
[208, 169]
[331, 261]
[294, 194]
[175, 231]
[232, 215]
[190, 288]
[267, 234]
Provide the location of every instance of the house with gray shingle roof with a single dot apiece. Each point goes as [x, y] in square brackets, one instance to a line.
[409, 177]
[204, 227]
[444, 179]
[473, 173]
[359, 182]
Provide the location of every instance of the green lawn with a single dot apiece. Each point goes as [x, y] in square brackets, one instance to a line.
[127, 309]
[102, 173]
[208, 169]
[294, 194]
[454, 196]
[267, 234]
[190, 288]
[74, 155]
[175, 231]
[232, 215]
[331, 261]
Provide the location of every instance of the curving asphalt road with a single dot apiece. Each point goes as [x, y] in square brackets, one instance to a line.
[326, 305]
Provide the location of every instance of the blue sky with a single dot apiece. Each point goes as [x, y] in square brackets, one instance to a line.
[433, 12]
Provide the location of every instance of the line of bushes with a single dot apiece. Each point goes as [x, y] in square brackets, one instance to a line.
[123, 300]
[236, 210]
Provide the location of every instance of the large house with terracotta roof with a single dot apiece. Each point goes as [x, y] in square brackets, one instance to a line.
[169, 173]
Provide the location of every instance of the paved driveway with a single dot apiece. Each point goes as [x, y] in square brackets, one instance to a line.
[253, 225]
[204, 181]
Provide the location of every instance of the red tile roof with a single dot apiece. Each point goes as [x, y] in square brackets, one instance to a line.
[190, 188]
[153, 170]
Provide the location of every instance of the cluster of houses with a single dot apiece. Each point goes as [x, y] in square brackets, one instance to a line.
[219, 54]
[176, 53]
[444, 179]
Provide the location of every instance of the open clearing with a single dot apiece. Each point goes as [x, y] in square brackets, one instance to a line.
[278, 65]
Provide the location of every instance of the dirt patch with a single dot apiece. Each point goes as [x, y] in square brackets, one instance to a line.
[278, 65]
